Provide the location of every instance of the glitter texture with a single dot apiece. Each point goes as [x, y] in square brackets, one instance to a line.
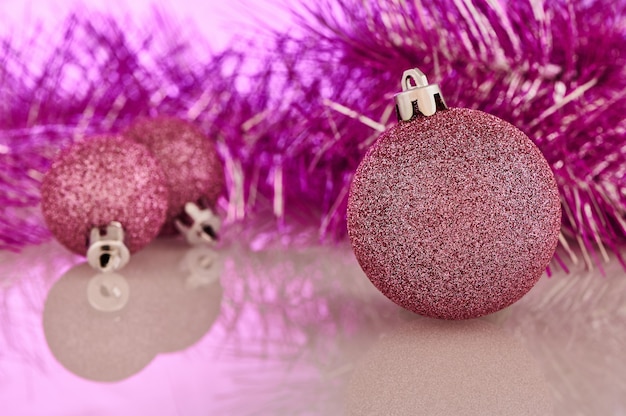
[102, 180]
[192, 167]
[454, 216]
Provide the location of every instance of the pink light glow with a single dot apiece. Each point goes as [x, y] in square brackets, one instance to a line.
[220, 22]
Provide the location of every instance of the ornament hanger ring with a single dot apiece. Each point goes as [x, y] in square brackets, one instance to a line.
[418, 77]
[418, 97]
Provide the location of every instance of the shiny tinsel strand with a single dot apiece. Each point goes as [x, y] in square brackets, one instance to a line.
[96, 77]
[556, 69]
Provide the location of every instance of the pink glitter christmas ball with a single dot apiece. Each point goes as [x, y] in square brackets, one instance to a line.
[189, 159]
[101, 180]
[455, 215]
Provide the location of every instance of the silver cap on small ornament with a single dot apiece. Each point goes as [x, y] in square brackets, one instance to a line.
[107, 251]
[204, 227]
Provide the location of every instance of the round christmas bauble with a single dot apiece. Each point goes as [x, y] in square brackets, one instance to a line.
[454, 215]
[103, 180]
[192, 167]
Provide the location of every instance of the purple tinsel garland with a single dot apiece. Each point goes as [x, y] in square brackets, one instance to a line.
[98, 78]
[556, 69]
[293, 123]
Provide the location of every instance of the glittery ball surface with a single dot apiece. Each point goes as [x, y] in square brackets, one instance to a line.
[101, 180]
[189, 159]
[454, 216]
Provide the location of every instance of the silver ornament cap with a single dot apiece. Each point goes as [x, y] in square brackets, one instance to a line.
[204, 227]
[418, 96]
[107, 251]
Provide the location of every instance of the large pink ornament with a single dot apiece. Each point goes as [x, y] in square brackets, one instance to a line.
[453, 213]
[105, 198]
[193, 171]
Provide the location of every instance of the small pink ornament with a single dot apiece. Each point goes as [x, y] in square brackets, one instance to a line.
[105, 197]
[193, 171]
[453, 213]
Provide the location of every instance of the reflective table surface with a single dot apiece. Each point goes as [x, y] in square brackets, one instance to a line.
[293, 331]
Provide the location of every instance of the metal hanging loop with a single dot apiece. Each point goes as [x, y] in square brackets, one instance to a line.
[107, 251]
[205, 225]
[418, 97]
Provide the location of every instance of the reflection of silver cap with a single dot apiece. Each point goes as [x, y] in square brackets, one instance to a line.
[107, 251]
[108, 292]
[421, 98]
[203, 267]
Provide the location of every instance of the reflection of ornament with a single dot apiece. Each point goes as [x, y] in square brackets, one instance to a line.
[105, 197]
[200, 263]
[303, 315]
[110, 327]
[193, 171]
[428, 367]
[108, 292]
[453, 213]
